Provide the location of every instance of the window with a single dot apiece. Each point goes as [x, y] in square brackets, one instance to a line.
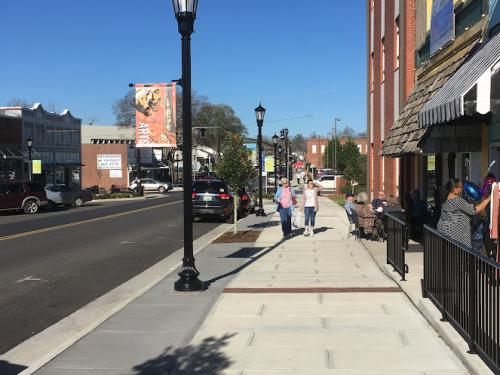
[382, 62]
[14, 189]
[466, 17]
[314, 149]
[423, 53]
[322, 149]
[397, 43]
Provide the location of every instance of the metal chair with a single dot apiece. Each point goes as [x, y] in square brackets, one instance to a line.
[353, 222]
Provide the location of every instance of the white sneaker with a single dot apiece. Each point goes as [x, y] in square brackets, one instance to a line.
[306, 232]
[311, 232]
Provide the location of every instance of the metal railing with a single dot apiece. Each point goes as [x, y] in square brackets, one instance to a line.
[465, 287]
[397, 244]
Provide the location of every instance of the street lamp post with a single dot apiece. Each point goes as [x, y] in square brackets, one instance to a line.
[280, 152]
[185, 12]
[275, 144]
[335, 147]
[29, 143]
[260, 112]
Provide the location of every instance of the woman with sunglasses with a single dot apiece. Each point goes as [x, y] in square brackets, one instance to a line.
[456, 213]
[286, 199]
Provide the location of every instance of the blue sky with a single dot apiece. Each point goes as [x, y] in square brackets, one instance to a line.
[305, 60]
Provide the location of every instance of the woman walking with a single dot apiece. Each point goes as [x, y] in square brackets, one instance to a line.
[286, 199]
[456, 213]
[310, 206]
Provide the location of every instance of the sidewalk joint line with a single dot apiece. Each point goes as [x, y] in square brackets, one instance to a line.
[315, 290]
[250, 339]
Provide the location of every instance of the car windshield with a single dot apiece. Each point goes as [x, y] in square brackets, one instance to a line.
[210, 187]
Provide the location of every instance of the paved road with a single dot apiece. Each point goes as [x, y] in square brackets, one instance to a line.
[48, 273]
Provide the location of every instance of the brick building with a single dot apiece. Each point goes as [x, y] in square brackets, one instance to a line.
[316, 149]
[391, 43]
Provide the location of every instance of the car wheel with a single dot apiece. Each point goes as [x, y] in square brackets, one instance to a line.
[31, 207]
[161, 189]
[78, 202]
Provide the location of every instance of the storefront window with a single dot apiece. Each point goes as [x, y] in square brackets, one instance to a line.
[495, 89]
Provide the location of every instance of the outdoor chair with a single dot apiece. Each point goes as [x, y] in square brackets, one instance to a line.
[353, 226]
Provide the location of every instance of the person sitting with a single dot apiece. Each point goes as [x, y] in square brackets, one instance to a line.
[379, 203]
[366, 217]
[349, 203]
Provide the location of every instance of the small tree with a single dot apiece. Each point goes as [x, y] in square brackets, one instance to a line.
[235, 167]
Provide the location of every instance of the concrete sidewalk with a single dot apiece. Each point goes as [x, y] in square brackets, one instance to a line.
[320, 305]
[317, 305]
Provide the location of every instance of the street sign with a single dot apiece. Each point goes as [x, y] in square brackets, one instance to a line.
[354, 183]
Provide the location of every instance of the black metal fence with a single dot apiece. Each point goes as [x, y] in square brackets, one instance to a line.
[465, 287]
[397, 244]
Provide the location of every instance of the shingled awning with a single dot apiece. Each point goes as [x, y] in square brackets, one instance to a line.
[406, 134]
[448, 104]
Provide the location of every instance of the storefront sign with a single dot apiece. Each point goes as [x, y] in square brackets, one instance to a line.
[115, 173]
[109, 161]
[155, 115]
[252, 147]
[442, 24]
[269, 164]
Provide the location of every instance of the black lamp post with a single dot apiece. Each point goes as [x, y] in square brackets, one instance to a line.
[260, 112]
[280, 157]
[29, 143]
[275, 144]
[185, 12]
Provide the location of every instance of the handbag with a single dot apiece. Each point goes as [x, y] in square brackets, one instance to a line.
[297, 219]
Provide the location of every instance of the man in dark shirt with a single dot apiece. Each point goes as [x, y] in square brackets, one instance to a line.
[379, 202]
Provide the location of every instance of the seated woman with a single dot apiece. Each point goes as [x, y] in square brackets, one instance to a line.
[366, 217]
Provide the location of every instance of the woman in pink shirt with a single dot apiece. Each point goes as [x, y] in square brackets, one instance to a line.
[286, 199]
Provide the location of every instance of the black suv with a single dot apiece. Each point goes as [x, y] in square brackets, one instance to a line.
[22, 195]
[212, 199]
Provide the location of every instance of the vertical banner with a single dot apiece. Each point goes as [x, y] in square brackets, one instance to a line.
[155, 115]
[36, 166]
[269, 164]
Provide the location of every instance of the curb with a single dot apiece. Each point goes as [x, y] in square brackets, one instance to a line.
[40, 349]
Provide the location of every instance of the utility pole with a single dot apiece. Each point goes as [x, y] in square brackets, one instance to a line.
[335, 148]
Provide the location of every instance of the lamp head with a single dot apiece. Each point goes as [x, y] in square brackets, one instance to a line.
[260, 112]
[275, 139]
[29, 142]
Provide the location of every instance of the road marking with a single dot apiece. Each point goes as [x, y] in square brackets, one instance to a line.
[127, 243]
[76, 223]
[29, 278]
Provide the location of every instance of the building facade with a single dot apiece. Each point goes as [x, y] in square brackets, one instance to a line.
[56, 143]
[316, 152]
[391, 42]
[446, 127]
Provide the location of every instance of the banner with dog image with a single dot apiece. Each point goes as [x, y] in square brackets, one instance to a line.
[155, 115]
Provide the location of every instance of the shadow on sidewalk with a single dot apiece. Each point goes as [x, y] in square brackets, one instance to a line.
[7, 368]
[267, 224]
[203, 359]
[245, 265]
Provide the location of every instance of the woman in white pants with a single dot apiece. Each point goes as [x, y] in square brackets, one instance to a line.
[310, 206]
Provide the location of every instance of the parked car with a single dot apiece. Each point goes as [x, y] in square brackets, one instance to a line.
[324, 172]
[66, 195]
[23, 195]
[150, 184]
[327, 182]
[212, 198]
[247, 200]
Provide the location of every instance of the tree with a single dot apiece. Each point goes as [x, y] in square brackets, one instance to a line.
[298, 144]
[235, 168]
[347, 132]
[224, 122]
[349, 160]
[124, 109]
[18, 102]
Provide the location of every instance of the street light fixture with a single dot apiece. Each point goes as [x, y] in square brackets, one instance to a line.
[29, 143]
[260, 112]
[275, 144]
[185, 12]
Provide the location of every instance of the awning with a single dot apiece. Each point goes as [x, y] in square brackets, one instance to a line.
[467, 92]
[11, 152]
[405, 135]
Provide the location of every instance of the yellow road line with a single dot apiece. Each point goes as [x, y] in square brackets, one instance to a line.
[49, 229]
